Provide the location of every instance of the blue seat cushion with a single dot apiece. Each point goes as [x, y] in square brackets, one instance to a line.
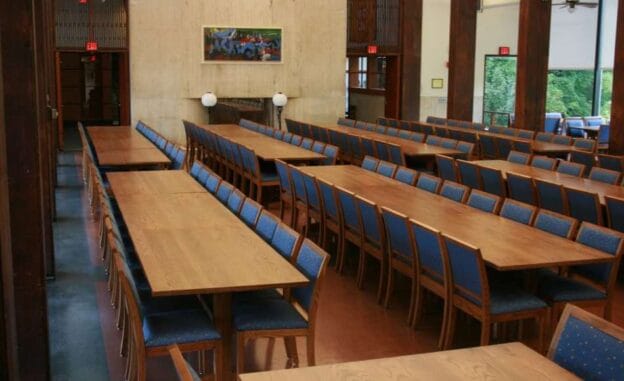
[178, 327]
[270, 176]
[556, 288]
[250, 296]
[512, 299]
[265, 314]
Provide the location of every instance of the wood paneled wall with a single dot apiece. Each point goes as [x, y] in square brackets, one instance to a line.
[616, 136]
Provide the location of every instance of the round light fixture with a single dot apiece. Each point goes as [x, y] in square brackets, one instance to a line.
[280, 99]
[209, 99]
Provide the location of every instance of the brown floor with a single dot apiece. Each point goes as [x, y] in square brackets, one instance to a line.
[351, 326]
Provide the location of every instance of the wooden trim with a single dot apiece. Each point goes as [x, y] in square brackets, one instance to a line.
[411, 59]
[359, 90]
[616, 134]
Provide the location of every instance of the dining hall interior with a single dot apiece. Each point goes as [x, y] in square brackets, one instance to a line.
[265, 190]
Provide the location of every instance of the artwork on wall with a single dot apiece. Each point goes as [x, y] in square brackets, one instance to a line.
[437, 83]
[232, 44]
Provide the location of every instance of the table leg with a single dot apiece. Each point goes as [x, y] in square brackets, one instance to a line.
[222, 309]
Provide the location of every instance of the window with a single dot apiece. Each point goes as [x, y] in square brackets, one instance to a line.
[366, 73]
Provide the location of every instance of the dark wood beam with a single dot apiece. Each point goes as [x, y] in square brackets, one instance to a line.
[616, 135]
[463, 41]
[411, 45]
[532, 79]
[21, 210]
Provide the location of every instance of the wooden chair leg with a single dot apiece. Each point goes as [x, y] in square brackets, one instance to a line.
[389, 287]
[414, 296]
[341, 254]
[361, 273]
[259, 198]
[269, 353]
[445, 322]
[485, 332]
[450, 328]
[291, 349]
[382, 281]
[218, 366]
[418, 306]
[541, 331]
[240, 353]
[310, 350]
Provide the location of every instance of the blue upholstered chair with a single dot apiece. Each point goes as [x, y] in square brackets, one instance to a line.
[278, 134]
[489, 147]
[572, 169]
[544, 162]
[331, 213]
[286, 241]
[519, 157]
[448, 143]
[588, 145]
[589, 347]
[429, 183]
[586, 158]
[380, 129]
[373, 242]
[370, 127]
[286, 190]
[469, 173]
[250, 211]
[584, 206]
[454, 191]
[504, 147]
[259, 178]
[382, 150]
[391, 131]
[314, 210]
[492, 181]
[406, 134]
[603, 135]
[340, 140]
[433, 140]
[552, 122]
[467, 148]
[382, 121]
[351, 229]
[203, 175]
[441, 132]
[300, 206]
[518, 211]
[432, 271]
[615, 212]
[386, 168]
[612, 162]
[406, 175]
[551, 196]
[169, 148]
[523, 146]
[545, 137]
[331, 154]
[296, 140]
[418, 137]
[472, 294]
[307, 143]
[521, 188]
[355, 151]
[346, 122]
[235, 201]
[447, 169]
[318, 147]
[510, 131]
[486, 202]
[605, 175]
[526, 134]
[280, 318]
[396, 154]
[195, 169]
[292, 127]
[224, 191]
[368, 146]
[370, 163]
[555, 223]
[212, 183]
[586, 286]
[400, 254]
[287, 138]
[266, 225]
[574, 127]
[563, 140]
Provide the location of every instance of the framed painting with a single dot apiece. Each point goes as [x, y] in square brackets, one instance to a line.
[233, 44]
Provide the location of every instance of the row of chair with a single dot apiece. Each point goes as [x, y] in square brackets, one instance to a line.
[174, 152]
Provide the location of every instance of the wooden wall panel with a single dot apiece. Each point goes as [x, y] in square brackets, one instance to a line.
[532, 79]
[463, 41]
[411, 21]
[616, 137]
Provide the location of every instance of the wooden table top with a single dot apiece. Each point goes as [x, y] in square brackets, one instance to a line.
[189, 243]
[133, 158]
[142, 182]
[574, 182]
[513, 361]
[505, 244]
[265, 147]
[123, 146]
[409, 147]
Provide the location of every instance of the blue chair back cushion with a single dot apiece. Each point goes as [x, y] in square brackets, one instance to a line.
[601, 240]
[398, 236]
[284, 240]
[429, 252]
[466, 272]
[553, 225]
[309, 262]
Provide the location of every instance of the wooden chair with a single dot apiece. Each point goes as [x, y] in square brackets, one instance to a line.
[287, 198]
[351, 228]
[484, 201]
[472, 294]
[544, 162]
[587, 345]
[406, 175]
[605, 175]
[429, 183]
[447, 168]
[518, 211]
[555, 223]
[314, 209]
[454, 191]
[373, 243]
[584, 206]
[331, 212]
[521, 188]
[184, 370]
[258, 179]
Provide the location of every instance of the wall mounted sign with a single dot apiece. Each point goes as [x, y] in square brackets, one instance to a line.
[437, 83]
[232, 44]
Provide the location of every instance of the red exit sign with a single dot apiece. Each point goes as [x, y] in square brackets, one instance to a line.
[504, 51]
[91, 46]
[372, 49]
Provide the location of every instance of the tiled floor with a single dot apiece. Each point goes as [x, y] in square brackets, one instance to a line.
[84, 341]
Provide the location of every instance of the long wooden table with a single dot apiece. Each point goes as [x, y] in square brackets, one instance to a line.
[189, 243]
[513, 361]
[265, 147]
[124, 147]
[574, 182]
[505, 244]
[409, 147]
[142, 182]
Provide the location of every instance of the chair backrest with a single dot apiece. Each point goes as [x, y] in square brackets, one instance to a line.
[544, 162]
[526, 134]
[572, 169]
[386, 168]
[588, 346]
[486, 202]
[615, 212]
[467, 148]
[612, 162]
[250, 211]
[372, 222]
[418, 137]
[552, 122]
[504, 147]
[399, 235]
[555, 223]
[449, 143]
[544, 137]
[286, 241]
[433, 140]
[370, 163]
[354, 145]
[603, 134]
[519, 157]
[467, 272]
[331, 154]
[312, 192]
[585, 144]
[609, 242]
[584, 206]
[291, 126]
[429, 183]
[392, 131]
[429, 251]
[235, 201]
[346, 122]
[605, 175]
[518, 211]
[212, 183]
[296, 140]
[312, 262]
[454, 191]
[318, 147]
[396, 154]
[489, 148]
[266, 225]
[283, 171]
[405, 134]
[368, 145]
[250, 163]
[492, 181]
[196, 169]
[307, 143]
[224, 191]
[469, 174]
[560, 139]
[382, 150]
[551, 196]
[349, 211]
[406, 175]
[329, 200]
[585, 158]
[521, 188]
[447, 169]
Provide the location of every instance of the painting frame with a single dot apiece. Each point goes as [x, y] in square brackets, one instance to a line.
[437, 83]
[254, 48]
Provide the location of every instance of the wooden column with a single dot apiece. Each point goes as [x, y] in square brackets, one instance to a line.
[616, 135]
[411, 41]
[21, 231]
[463, 40]
[532, 79]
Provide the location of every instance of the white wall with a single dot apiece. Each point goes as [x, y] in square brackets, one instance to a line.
[573, 38]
